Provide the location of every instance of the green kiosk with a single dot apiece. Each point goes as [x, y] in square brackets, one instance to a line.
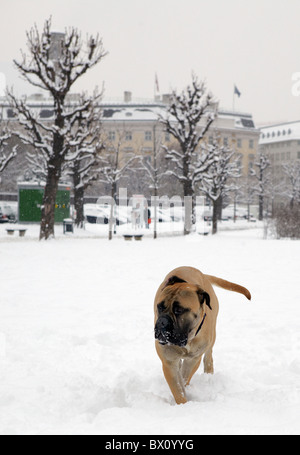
[31, 198]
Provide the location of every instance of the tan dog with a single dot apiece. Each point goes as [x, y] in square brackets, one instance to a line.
[186, 309]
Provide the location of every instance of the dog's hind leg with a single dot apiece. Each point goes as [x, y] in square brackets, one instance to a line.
[189, 368]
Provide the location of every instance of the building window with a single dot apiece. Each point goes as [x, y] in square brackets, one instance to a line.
[111, 135]
[225, 141]
[210, 140]
[167, 137]
[251, 144]
[148, 135]
[10, 113]
[239, 143]
[128, 136]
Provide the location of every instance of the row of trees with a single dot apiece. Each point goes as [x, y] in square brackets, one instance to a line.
[72, 145]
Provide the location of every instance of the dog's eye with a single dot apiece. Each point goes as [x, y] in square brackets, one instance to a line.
[178, 310]
[161, 307]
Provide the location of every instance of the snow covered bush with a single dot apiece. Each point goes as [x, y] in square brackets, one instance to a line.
[287, 222]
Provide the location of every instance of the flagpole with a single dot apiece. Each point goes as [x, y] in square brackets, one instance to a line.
[233, 100]
[156, 86]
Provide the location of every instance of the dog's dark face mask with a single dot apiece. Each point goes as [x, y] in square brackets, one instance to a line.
[179, 313]
[168, 332]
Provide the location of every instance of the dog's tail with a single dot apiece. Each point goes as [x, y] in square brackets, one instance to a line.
[228, 285]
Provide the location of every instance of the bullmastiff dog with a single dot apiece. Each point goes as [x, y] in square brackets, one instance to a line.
[186, 309]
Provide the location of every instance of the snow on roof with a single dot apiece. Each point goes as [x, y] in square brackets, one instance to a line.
[137, 113]
[280, 132]
[140, 112]
[241, 120]
[130, 111]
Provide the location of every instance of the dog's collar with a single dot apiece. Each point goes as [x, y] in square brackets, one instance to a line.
[200, 326]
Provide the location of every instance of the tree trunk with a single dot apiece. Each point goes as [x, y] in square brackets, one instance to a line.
[220, 208]
[215, 216]
[48, 207]
[155, 213]
[190, 209]
[53, 176]
[111, 220]
[78, 204]
[78, 194]
[261, 207]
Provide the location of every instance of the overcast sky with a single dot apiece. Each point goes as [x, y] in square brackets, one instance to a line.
[254, 44]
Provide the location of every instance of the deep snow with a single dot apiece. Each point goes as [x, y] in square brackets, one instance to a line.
[76, 337]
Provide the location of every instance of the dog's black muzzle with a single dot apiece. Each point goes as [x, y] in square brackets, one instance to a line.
[166, 333]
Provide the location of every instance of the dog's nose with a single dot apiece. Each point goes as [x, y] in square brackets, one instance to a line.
[163, 329]
[164, 323]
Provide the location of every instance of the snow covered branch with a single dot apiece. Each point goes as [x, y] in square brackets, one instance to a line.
[4, 157]
[55, 66]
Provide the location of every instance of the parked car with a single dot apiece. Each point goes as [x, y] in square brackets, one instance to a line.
[99, 214]
[7, 214]
[3, 217]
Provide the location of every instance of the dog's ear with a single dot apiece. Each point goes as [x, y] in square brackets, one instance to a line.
[203, 297]
[173, 280]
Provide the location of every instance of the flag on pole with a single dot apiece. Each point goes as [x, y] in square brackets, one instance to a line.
[156, 83]
[236, 91]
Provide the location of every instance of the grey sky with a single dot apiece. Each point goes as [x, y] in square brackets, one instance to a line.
[253, 44]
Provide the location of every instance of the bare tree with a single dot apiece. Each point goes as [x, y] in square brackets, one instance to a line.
[152, 169]
[185, 113]
[215, 183]
[5, 157]
[248, 193]
[262, 177]
[292, 170]
[83, 162]
[113, 168]
[54, 65]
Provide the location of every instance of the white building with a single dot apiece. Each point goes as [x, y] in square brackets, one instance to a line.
[281, 142]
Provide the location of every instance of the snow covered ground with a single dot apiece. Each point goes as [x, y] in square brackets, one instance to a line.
[76, 336]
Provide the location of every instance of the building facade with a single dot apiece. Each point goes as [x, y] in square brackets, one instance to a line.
[134, 126]
[281, 143]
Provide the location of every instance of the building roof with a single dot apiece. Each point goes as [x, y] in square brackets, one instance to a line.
[133, 112]
[140, 110]
[280, 132]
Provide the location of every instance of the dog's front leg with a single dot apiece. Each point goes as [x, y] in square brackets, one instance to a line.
[174, 379]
